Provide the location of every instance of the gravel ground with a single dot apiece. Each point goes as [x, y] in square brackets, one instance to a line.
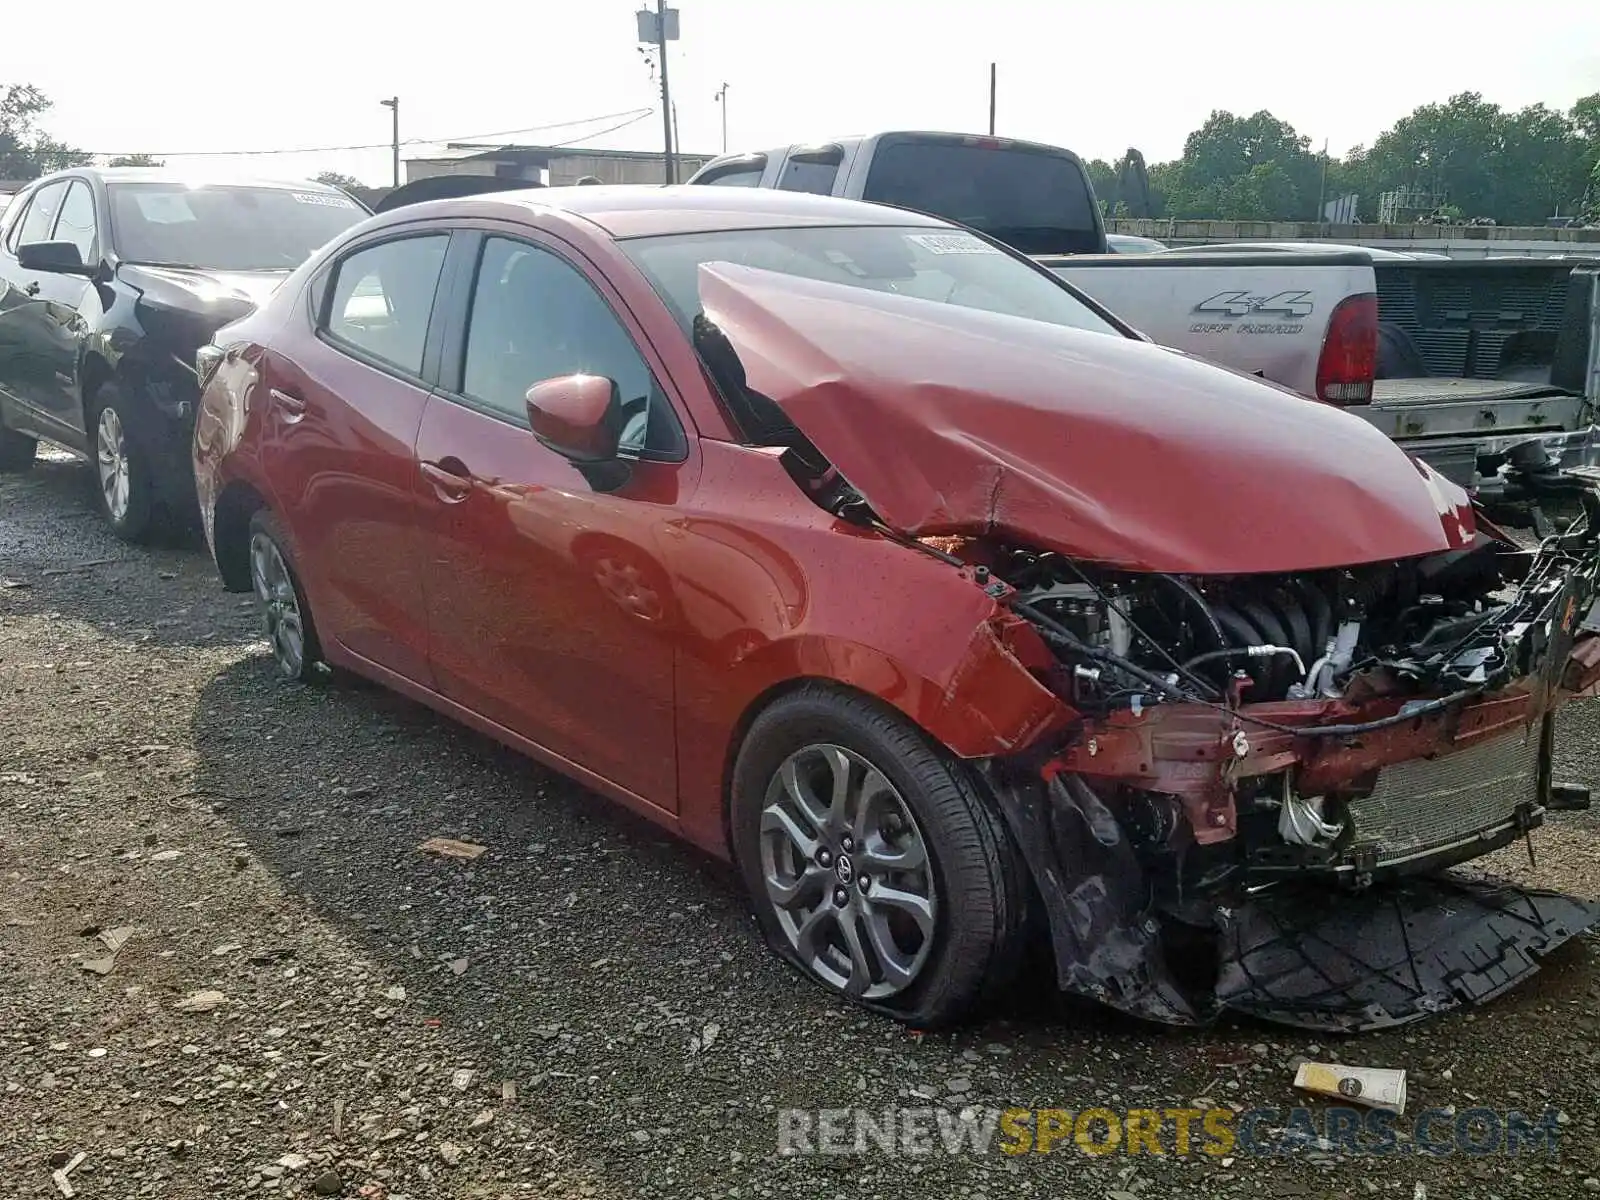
[584, 1010]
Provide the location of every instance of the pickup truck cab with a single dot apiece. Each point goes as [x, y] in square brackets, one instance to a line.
[1459, 362]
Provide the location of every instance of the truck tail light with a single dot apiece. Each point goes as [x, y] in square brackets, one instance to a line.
[1349, 356]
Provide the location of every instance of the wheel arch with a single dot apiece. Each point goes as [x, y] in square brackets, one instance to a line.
[93, 374]
[986, 703]
[236, 504]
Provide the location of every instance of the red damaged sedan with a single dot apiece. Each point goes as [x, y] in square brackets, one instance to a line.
[852, 546]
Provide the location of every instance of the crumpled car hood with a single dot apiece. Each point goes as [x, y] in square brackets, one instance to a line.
[949, 420]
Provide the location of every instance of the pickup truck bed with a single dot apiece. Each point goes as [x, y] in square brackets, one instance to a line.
[1263, 314]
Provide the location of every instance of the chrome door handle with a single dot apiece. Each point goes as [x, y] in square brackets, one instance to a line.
[293, 407]
[450, 485]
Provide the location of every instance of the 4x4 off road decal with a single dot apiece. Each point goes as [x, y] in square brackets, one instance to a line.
[1290, 308]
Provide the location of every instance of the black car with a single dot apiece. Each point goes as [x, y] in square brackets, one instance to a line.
[110, 280]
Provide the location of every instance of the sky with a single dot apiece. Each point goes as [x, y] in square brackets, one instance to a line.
[178, 76]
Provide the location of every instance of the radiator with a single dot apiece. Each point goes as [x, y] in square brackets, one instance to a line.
[1420, 806]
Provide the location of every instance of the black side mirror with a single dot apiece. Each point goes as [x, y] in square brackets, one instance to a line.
[59, 258]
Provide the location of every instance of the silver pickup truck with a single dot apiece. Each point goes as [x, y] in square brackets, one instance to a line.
[1458, 361]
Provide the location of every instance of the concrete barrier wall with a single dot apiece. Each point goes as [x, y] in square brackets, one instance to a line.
[1458, 241]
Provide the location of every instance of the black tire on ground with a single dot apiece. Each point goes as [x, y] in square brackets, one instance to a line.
[980, 879]
[136, 522]
[267, 536]
[16, 450]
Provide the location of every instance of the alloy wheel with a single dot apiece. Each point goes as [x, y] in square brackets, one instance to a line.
[279, 606]
[848, 873]
[111, 456]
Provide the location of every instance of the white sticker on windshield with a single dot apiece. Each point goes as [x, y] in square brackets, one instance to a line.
[951, 243]
[324, 199]
[163, 208]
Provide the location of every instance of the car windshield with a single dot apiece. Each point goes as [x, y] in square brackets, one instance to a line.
[950, 266]
[225, 228]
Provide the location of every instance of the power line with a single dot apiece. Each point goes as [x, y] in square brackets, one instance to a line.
[594, 133]
[633, 114]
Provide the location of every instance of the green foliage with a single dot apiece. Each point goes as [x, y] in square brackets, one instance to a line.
[339, 180]
[1516, 167]
[136, 160]
[26, 152]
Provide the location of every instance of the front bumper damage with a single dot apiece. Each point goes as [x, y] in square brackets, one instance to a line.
[1389, 955]
[1383, 927]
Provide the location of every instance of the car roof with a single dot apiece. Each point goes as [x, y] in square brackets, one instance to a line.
[647, 210]
[188, 178]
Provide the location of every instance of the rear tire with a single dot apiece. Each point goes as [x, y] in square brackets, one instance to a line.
[281, 603]
[899, 888]
[16, 451]
[122, 465]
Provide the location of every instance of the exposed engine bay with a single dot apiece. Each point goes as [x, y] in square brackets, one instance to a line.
[1290, 764]
[1295, 687]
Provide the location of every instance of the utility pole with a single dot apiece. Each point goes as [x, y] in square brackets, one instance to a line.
[657, 29]
[393, 103]
[991, 98]
[666, 91]
[1322, 190]
[722, 98]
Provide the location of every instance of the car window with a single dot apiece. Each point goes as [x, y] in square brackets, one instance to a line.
[737, 177]
[534, 317]
[1036, 201]
[383, 298]
[800, 175]
[226, 227]
[937, 263]
[75, 222]
[39, 216]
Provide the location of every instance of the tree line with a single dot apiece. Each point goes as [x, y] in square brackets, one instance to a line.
[27, 152]
[1472, 159]
[1478, 160]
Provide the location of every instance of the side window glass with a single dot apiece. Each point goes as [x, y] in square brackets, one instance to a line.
[75, 223]
[739, 177]
[383, 297]
[41, 216]
[535, 317]
[801, 175]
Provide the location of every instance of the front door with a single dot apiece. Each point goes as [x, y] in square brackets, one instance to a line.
[342, 413]
[71, 303]
[30, 337]
[549, 610]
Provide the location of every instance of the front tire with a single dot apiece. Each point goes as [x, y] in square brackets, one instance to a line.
[875, 864]
[123, 468]
[281, 602]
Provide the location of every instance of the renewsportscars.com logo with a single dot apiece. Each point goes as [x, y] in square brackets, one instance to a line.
[1214, 1132]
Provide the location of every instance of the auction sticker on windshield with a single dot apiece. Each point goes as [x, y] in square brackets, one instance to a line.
[324, 199]
[951, 243]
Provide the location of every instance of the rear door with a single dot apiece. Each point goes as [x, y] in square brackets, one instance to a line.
[342, 410]
[550, 611]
